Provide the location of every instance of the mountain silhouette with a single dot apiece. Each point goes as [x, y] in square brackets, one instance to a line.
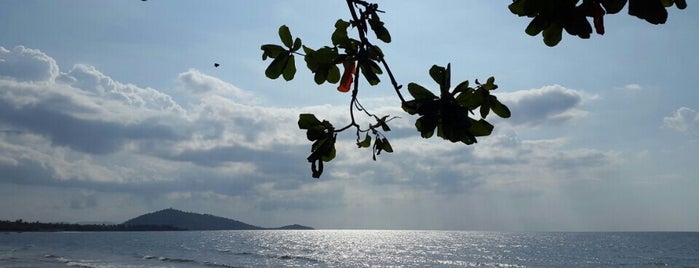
[195, 221]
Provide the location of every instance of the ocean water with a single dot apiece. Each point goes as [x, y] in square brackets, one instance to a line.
[348, 248]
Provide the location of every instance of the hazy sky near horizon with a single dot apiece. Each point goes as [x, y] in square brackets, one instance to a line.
[111, 109]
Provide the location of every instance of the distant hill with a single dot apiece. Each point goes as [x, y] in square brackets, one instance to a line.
[294, 227]
[196, 221]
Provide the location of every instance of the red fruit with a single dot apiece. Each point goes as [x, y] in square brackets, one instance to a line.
[346, 81]
[598, 18]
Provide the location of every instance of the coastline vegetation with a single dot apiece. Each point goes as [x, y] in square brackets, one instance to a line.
[23, 226]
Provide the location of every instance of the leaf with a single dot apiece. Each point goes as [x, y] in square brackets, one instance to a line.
[290, 69]
[307, 121]
[365, 143]
[470, 99]
[297, 44]
[426, 125]
[339, 36]
[524, 8]
[382, 122]
[553, 34]
[498, 108]
[485, 110]
[369, 70]
[285, 35]
[437, 74]
[330, 152]
[316, 133]
[613, 6]
[461, 87]
[271, 51]
[420, 93]
[442, 76]
[651, 11]
[275, 69]
[377, 26]
[480, 128]
[490, 84]
[387, 146]
[538, 24]
[333, 75]
[322, 64]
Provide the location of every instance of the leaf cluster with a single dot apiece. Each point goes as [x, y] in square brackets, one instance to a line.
[551, 17]
[283, 63]
[323, 136]
[358, 56]
[449, 113]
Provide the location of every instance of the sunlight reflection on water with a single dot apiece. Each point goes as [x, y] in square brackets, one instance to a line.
[349, 248]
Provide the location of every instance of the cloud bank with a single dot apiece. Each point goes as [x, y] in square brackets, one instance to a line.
[83, 130]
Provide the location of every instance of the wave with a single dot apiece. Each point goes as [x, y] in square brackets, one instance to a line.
[183, 260]
[304, 258]
[72, 262]
[272, 256]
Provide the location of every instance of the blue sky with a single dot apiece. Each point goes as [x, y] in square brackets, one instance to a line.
[114, 109]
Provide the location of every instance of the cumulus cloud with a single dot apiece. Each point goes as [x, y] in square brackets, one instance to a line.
[684, 120]
[26, 65]
[194, 81]
[544, 106]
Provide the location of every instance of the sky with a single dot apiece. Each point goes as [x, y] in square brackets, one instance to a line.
[113, 109]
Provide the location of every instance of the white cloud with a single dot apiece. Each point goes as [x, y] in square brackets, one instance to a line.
[27, 65]
[684, 120]
[544, 106]
[194, 81]
[85, 130]
[632, 87]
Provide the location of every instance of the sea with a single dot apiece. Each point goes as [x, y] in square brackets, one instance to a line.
[349, 248]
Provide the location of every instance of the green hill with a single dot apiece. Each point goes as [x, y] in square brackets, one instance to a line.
[196, 221]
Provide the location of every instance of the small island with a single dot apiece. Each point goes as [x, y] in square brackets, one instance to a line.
[163, 220]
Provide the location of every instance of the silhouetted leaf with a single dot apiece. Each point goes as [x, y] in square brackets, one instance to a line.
[290, 68]
[285, 36]
[322, 63]
[480, 128]
[333, 75]
[420, 93]
[307, 121]
[442, 76]
[553, 34]
[652, 11]
[272, 51]
[339, 36]
[485, 110]
[369, 69]
[490, 84]
[277, 66]
[377, 26]
[538, 24]
[426, 125]
[365, 143]
[382, 122]
[613, 6]
[498, 108]
[469, 99]
[387, 146]
[461, 87]
[437, 73]
[297, 44]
